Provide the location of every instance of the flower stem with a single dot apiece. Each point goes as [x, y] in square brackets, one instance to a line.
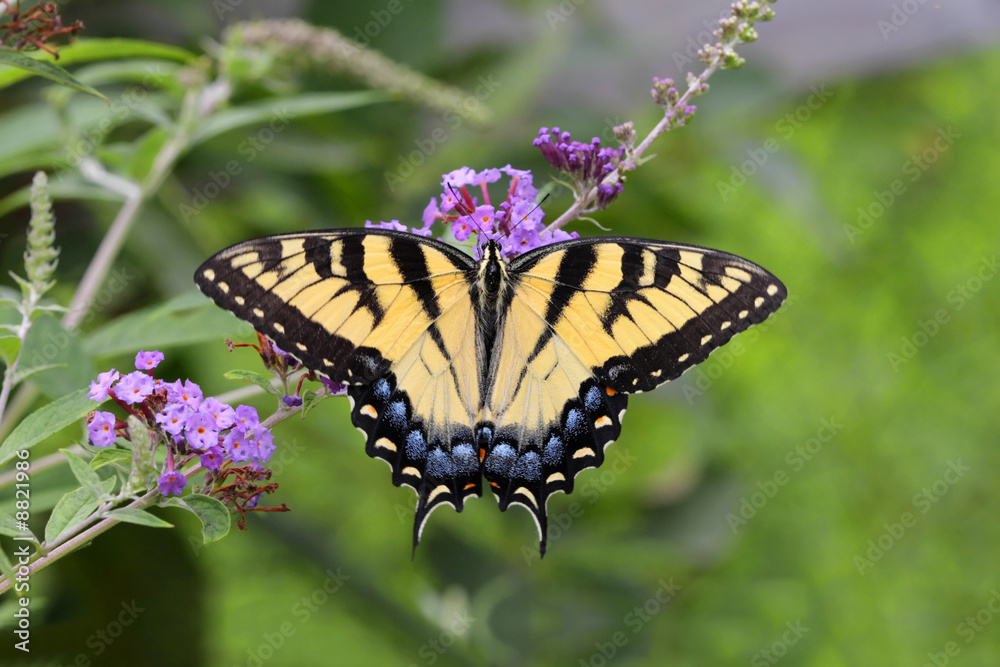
[78, 540]
[579, 207]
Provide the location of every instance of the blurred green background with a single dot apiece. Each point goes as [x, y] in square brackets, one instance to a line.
[819, 492]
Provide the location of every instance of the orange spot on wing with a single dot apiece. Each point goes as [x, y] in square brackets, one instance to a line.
[469, 486]
[494, 485]
[610, 391]
[482, 454]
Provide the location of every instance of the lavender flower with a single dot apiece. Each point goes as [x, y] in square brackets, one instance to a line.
[212, 458]
[102, 429]
[134, 388]
[147, 361]
[172, 483]
[186, 392]
[99, 388]
[173, 419]
[223, 414]
[334, 388]
[200, 431]
[292, 401]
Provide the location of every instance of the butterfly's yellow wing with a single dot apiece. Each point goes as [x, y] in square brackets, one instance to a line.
[588, 322]
[390, 315]
[459, 370]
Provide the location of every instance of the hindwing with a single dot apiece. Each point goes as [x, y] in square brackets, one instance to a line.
[588, 322]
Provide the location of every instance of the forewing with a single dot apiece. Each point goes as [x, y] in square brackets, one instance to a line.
[589, 322]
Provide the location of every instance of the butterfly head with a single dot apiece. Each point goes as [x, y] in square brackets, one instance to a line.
[492, 270]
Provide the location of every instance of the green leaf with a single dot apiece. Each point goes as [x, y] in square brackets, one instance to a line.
[71, 510]
[141, 517]
[7, 570]
[49, 343]
[110, 455]
[280, 111]
[46, 421]
[8, 527]
[150, 328]
[48, 70]
[262, 381]
[9, 347]
[60, 191]
[145, 152]
[310, 399]
[23, 375]
[215, 517]
[84, 474]
[89, 50]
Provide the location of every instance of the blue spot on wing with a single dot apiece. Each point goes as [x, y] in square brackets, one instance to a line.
[416, 446]
[381, 389]
[500, 459]
[465, 458]
[440, 464]
[592, 401]
[395, 414]
[553, 454]
[575, 426]
[528, 467]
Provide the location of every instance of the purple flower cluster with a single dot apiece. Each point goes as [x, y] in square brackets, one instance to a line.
[516, 223]
[588, 164]
[192, 424]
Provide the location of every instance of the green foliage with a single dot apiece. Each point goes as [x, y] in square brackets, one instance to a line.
[45, 422]
[770, 484]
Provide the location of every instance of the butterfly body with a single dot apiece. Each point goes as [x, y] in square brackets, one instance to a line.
[461, 370]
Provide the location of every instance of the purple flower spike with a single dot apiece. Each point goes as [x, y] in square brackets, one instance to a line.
[608, 193]
[587, 164]
[292, 401]
[172, 483]
[102, 429]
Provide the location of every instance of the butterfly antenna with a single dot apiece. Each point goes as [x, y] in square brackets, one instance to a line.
[525, 217]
